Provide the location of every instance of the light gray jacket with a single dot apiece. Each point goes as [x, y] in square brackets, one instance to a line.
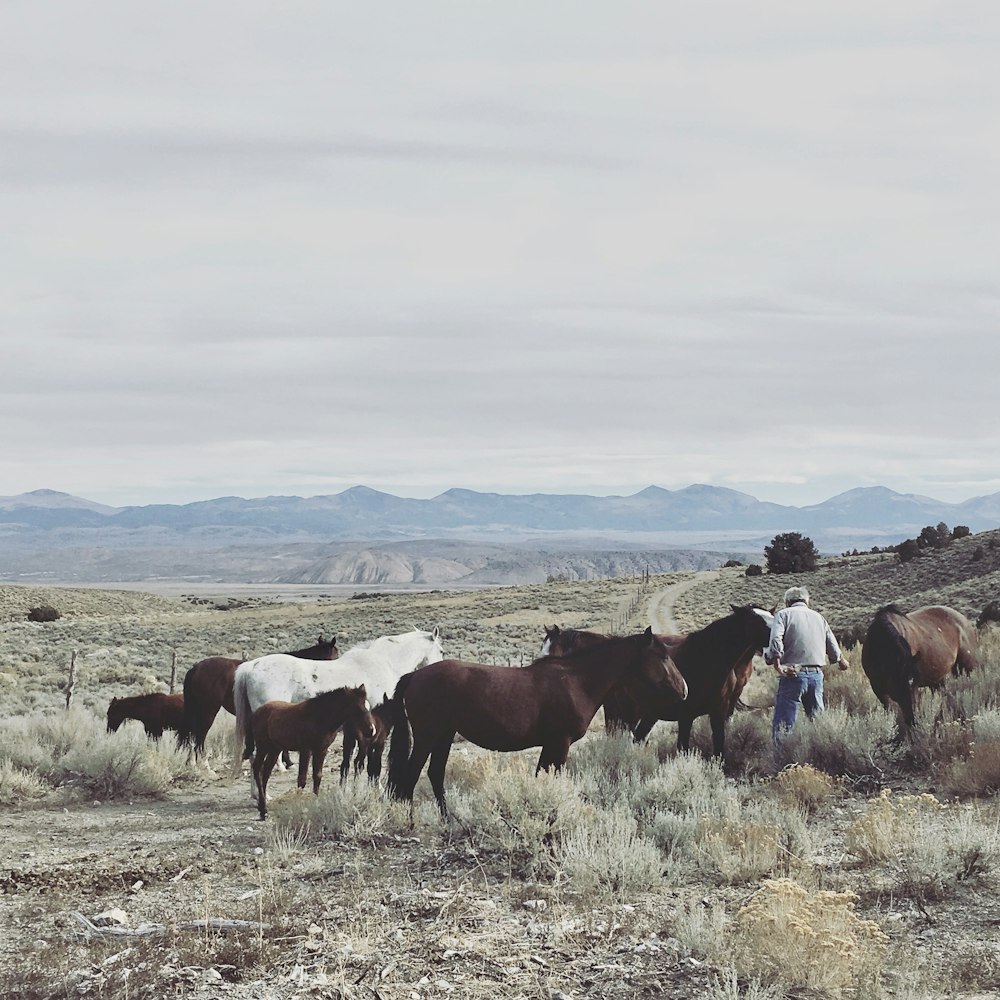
[801, 637]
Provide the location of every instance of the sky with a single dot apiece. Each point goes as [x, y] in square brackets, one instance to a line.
[255, 249]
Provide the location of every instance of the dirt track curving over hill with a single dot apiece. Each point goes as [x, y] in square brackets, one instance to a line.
[661, 604]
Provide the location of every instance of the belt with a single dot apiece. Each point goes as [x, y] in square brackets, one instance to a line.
[806, 666]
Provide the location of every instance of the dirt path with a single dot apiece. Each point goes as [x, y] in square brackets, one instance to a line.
[661, 604]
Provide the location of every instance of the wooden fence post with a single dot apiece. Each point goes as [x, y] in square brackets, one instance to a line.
[71, 682]
[173, 671]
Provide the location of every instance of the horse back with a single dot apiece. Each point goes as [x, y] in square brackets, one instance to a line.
[942, 639]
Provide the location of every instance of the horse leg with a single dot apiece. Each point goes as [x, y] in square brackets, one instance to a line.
[263, 764]
[375, 752]
[435, 771]
[202, 724]
[553, 754]
[318, 757]
[286, 760]
[684, 724]
[304, 757]
[350, 741]
[718, 722]
[414, 765]
[642, 729]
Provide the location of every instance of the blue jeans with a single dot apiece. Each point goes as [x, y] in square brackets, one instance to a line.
[805, 687]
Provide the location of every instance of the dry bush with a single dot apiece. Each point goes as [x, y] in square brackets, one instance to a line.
[854, 746]
[501, 807]
[738, 851]
[788, 936]
[924, 847]
[354, 810]
[18, 786]
[936, 739]
[606, 852]
[72, 751]
[890, 826]
[726, 986]
[978, 771]
[801, 786]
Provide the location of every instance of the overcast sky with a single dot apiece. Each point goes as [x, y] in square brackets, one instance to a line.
[254, 248]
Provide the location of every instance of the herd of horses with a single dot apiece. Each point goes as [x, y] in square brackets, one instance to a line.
[401, 690]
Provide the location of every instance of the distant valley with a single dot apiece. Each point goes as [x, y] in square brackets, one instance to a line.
[368, 538]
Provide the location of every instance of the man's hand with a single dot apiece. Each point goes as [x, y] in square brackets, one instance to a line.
[843, 663]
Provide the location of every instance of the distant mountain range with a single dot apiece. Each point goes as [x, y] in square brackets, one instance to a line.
[294, 537]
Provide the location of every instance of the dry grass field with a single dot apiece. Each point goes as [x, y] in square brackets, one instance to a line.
[852, 863]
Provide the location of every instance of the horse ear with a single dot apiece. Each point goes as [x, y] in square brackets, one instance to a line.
[649, 630]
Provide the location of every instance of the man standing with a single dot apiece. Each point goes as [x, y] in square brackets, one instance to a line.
[801, 641]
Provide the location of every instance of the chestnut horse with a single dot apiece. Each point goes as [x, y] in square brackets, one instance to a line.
[716, 661]
[208, 686]
[549, 703]
[309, 727]
[155, 711]
[902, 652]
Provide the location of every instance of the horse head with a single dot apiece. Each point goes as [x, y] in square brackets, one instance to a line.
[756, 624]
[660, 669]
[359, 713]
[434, 650]
[116, 715]
[550, 640]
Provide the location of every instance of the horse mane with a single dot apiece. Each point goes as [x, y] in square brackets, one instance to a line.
[890, 609]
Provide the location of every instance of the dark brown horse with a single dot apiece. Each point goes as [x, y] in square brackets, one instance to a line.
[549, 703]
[716, 662]
[208, 686]
[307, 726]
[156, 712]
[902, 652]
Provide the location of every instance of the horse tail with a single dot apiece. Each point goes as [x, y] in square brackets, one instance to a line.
[400, 743]
[188, 722]
[241, 702]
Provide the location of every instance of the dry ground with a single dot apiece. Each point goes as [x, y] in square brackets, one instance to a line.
[392, 912]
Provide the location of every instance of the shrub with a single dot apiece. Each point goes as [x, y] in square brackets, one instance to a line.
[354, 810]
[802, 786]
[960, 531]
[907, 550]
[43, 613]
[791, 552]
[607, 851]
[754, 570]
[835, 950]
[18, 785]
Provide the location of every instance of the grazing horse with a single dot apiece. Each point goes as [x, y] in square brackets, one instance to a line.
[549, 704]
[378, 665]
[307, 726]
[156, 712]
[716, 661]
[903, 651]
[208, 686]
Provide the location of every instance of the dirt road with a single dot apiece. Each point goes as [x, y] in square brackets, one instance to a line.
[661, 604]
